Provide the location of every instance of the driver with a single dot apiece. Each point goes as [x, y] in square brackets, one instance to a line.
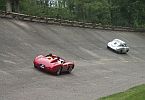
[51, 56]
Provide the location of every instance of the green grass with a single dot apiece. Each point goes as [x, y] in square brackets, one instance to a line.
[135, 93]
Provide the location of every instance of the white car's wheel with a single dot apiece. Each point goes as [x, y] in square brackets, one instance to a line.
[121, 51]
[107, 46]
[127, 51]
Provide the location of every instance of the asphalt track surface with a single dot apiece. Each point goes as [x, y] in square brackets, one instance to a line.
[98, 71]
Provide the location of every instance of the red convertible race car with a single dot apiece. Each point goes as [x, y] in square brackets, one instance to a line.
[53, 64]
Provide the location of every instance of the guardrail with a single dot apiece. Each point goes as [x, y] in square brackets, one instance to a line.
[66, 22]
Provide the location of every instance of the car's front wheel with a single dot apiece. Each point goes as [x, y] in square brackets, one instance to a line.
[70, 69]
[108, 47]
[58, 72]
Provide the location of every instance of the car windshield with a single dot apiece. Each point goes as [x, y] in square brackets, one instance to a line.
[123, 45]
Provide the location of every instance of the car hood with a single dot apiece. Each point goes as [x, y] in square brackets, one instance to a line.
[46, 62]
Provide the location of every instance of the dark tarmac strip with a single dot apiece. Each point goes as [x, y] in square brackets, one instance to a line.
[98, 71]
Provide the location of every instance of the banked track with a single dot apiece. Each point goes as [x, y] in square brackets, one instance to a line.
[98, 71]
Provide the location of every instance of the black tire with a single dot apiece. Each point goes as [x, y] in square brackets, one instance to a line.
[108, 47]
[70, 69]
[120, 51]
[58, 72]
[35, 66]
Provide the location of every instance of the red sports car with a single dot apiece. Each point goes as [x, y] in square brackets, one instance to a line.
[53, 63]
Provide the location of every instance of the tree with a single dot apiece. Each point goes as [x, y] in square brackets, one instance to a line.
[3, 5]
[112, 12]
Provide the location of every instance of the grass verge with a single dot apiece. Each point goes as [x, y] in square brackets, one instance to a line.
[135, 93]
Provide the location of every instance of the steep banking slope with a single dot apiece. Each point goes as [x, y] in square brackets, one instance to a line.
[28, 39]
[21, 41]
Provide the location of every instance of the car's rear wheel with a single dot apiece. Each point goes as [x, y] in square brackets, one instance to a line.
[59, 71]
[127, 51]
[35, 66]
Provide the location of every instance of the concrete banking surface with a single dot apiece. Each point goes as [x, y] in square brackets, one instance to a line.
[98, 71]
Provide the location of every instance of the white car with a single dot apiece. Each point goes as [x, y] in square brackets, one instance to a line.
[118, 46]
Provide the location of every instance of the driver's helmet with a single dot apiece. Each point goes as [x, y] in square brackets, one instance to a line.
[49, 55]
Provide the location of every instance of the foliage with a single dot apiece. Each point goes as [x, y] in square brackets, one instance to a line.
[109, 12]
[92, 10]
[128, 12]
[2, 4]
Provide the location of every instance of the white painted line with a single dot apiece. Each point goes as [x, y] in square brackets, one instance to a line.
[8, 61]
[89, 52]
